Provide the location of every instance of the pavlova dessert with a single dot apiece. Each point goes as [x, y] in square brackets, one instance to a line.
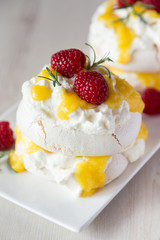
[130, 31]
[78, 124]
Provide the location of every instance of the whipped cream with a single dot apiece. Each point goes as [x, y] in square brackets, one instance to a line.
[135, 151]
[54, 166]
[104, 39]
[100, 120]
[60, 168]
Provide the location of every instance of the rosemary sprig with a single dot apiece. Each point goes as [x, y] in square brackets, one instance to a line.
[133, 11]
[53, 78]
[4, 153]
[98, 63]
[126, 4]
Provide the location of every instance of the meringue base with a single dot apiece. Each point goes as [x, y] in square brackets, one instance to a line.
[83, 175]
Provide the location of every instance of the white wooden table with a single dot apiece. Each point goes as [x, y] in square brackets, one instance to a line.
[31, 30]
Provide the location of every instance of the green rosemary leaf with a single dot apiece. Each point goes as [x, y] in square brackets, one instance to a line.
[55, 80]
[141, 17]
[4, 153]
[45, 78]
[98, 63]
[146, 5]
[94, 54]
[50, 72]
[138, 14]
[106, 68]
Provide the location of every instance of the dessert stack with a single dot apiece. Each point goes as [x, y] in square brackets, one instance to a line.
[130, 31]
[78, 124]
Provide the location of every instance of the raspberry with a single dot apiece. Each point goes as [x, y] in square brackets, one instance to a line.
[71, 61]
[6, 136]
[151, 98]
[122, 4]
[91, 87]
[156, 3]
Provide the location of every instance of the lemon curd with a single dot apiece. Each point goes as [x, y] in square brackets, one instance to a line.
[70, 101]
[147, 79]
[140, 8]
[143, 133]
[40, 93]
[89, 171]
[122, 91]
[125, 35]
[15, 160]
[90, 174]
[30, 147]
[153, 14]
[44, 73]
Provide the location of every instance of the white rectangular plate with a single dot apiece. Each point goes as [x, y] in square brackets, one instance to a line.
[55, 202]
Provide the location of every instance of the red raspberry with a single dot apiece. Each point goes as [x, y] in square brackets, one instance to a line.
[6, 136]
[121, 2]
[91, 87]
[151, 98]
[70, 61]
[156, 3]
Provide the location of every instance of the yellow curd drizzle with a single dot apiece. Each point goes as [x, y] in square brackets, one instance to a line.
[116, 70]
[89, 173]
[19, 135]
[44, 73]
[143, 133]
[30, 147]
[15, 160]
[40, 93]
[153, 14]
[150, 79]
[70, 101]
[123, 91]
[124, 34]
[140, 9]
